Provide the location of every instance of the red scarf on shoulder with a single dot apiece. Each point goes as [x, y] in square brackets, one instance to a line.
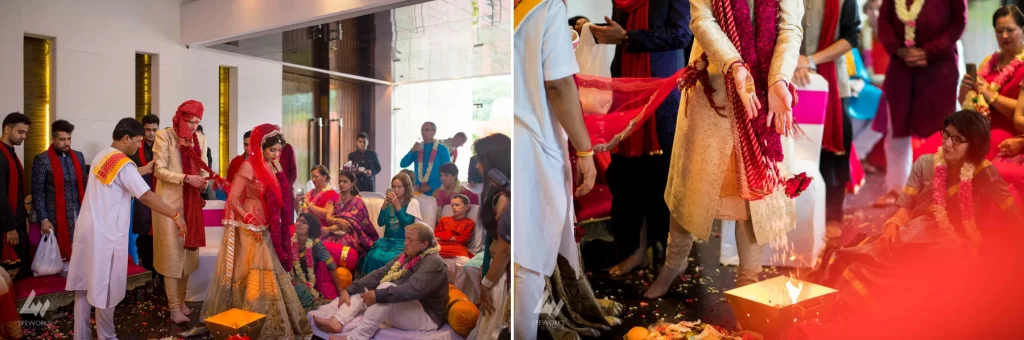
[7, 255]
[833, 137]
[61, 224]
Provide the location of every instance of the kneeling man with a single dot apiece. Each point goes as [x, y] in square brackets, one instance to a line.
[410, 292]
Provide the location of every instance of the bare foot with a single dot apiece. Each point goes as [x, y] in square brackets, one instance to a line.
[666, 278]
[185, 310]
[178, 318]
[639, 258]
[339, 337]
[886, 200]
[328, 325]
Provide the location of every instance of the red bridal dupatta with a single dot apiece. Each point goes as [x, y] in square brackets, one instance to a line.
[614, 108]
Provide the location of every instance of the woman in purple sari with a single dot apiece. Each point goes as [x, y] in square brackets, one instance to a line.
[349, 234]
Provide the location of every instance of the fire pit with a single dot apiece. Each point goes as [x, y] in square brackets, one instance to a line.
[772, 307]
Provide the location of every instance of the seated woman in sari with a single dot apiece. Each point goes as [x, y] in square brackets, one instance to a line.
[311, 263]
[948, 196]
[348, 224]
[996, 93]
[321, 197]
[400, 210]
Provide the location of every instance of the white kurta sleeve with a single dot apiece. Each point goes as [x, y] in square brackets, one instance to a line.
[129, 179]
[557, 57]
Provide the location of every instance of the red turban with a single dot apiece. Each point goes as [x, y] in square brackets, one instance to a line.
[191, 107]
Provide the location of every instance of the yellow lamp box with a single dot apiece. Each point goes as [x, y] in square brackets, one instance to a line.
[235, 321]
[772, 307]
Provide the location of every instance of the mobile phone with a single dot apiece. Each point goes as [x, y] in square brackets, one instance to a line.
[498, 178]
[972, 69]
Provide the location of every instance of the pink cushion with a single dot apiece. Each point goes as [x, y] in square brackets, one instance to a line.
[213, 217]
[351, 258]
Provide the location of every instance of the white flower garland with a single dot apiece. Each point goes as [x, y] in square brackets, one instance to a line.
[908, 15]
[424, 178]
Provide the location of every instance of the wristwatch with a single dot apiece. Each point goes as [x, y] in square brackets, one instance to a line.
[811, 63]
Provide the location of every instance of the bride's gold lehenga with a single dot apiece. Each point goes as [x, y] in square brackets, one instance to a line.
[248, 274]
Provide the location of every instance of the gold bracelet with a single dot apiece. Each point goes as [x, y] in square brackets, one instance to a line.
[584, 153]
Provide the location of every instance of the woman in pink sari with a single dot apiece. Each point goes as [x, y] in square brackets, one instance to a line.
[348, 233]
[321, 197]
[996, 92]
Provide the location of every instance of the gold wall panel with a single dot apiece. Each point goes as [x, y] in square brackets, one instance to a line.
[38, 108]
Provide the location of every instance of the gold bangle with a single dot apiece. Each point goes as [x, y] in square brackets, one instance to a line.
[896, 221]
[584, 153]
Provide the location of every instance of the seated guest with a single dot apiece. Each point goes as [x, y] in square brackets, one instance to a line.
[399, 211]
[321, 197]
[997, 91]
[312, 261]
[410, 292]
[410, 174]
[452, 233]
[348, 222]
[451, 187]
[931, 225]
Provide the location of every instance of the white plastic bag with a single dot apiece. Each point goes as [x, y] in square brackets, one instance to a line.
[47, 261]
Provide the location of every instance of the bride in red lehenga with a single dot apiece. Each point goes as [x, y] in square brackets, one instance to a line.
[248, 274]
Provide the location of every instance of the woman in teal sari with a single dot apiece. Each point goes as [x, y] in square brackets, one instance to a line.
[400, 210]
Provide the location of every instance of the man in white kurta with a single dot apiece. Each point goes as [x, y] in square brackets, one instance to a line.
[543, 215]
[99, 265]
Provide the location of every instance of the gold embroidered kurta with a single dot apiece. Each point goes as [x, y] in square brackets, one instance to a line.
[703, 181]
[169, 255]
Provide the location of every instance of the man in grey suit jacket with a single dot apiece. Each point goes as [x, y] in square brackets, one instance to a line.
[411, 297]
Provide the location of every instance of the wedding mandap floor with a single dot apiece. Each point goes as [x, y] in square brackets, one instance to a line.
[699, 295]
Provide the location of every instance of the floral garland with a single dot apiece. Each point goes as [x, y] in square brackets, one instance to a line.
[400, 266]
[966, 202]
[310, 277]
[977, 102]
[425, 177]
[908, 15]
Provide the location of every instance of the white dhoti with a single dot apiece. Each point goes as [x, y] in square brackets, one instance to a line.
[406, 316]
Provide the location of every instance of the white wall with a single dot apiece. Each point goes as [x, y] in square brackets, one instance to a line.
[94, 74]
[595, 10]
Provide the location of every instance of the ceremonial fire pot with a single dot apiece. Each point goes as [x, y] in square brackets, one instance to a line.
[236, 321]
[772, 307]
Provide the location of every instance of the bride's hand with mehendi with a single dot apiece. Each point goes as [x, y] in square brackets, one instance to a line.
[780, 107]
